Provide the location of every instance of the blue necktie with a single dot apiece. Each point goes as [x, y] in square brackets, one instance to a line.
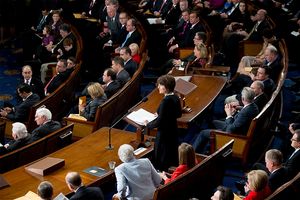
[127, 36]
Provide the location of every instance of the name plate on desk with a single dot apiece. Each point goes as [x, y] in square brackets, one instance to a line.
[45, 166]
[3, 182]
[184, 87]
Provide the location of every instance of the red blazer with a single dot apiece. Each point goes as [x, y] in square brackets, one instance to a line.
[179, 170]
[258, 195]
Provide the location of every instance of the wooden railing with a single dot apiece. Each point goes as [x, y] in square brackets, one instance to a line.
[36, 149]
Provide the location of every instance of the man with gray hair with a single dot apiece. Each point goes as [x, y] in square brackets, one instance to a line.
[274, 163]
[235, 122]
[260, 98]
[43, 118]
[20, 136]
[82, 192]
[136, 178]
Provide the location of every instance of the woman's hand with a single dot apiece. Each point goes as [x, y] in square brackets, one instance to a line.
[163, 175]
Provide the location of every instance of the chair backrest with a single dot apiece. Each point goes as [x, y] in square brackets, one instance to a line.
[200, 180]
[37, 149]
[289, 190]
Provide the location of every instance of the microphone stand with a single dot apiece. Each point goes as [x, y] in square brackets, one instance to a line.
[110, 146]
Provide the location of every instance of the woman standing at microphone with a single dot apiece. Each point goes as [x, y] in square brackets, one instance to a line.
[166, 141]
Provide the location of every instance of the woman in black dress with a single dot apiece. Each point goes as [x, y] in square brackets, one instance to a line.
[166, 142]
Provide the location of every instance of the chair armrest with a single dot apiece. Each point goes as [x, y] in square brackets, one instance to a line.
[219, 138]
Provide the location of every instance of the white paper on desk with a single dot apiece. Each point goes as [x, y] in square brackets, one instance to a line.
[295, 33]
[140, 116]
[186, 78]
[155, 21]
[61, 196]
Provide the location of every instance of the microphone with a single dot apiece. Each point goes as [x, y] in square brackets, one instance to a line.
[117, 120]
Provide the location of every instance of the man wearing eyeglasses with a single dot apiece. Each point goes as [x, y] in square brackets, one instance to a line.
[293, 162]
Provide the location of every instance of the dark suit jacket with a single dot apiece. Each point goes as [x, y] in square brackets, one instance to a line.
[121, 35]
[269, 87]
[130, 67]
[276, 68]
[166, 141]
[95, 9]
[155, 6]
[240, 123]
[16, 144]
[261, 101]
[123, 77]
[114, 26]
[293, 164]
[91, 108]
[90, 193]
[189, 35]
[172, 16]
[22, 110]
[135, 37]
[44, 130]
[37, 87]
[277, 178]
[257, 35]
[57, 81]
[112, 88]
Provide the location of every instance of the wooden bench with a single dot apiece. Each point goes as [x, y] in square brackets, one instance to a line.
[289, 190]
[201, 180]
[113, 108]
[259, 134]
[37, 149]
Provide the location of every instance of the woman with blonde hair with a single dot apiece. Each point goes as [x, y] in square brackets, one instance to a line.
[187, 161]
[257, 185]
[135, 52]
[96, 92]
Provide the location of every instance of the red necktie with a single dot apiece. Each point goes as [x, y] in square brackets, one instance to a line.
[45, 89]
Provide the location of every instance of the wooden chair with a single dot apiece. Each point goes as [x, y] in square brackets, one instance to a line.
[289, 190]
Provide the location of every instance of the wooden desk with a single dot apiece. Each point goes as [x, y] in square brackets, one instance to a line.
[87, 152]
[208, 88]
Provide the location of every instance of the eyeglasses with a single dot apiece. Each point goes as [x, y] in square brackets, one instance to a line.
[292, 139]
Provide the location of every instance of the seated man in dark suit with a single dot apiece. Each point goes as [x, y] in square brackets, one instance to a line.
[20, 112]
[133, 36]
[278, 173]
[188, 36]
[129, 65]
[118, 67]
[20, 137]
[111, 86]
[82, 192]
[235, 122]
[293, 163]
[43, 118]
[61, 76]
[36, 84]
[260, 98]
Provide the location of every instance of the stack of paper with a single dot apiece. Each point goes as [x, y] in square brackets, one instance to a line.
[140, 116]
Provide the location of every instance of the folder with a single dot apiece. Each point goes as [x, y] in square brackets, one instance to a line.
[45, 166]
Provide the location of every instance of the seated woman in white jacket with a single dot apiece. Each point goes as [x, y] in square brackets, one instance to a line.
[136, 178]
